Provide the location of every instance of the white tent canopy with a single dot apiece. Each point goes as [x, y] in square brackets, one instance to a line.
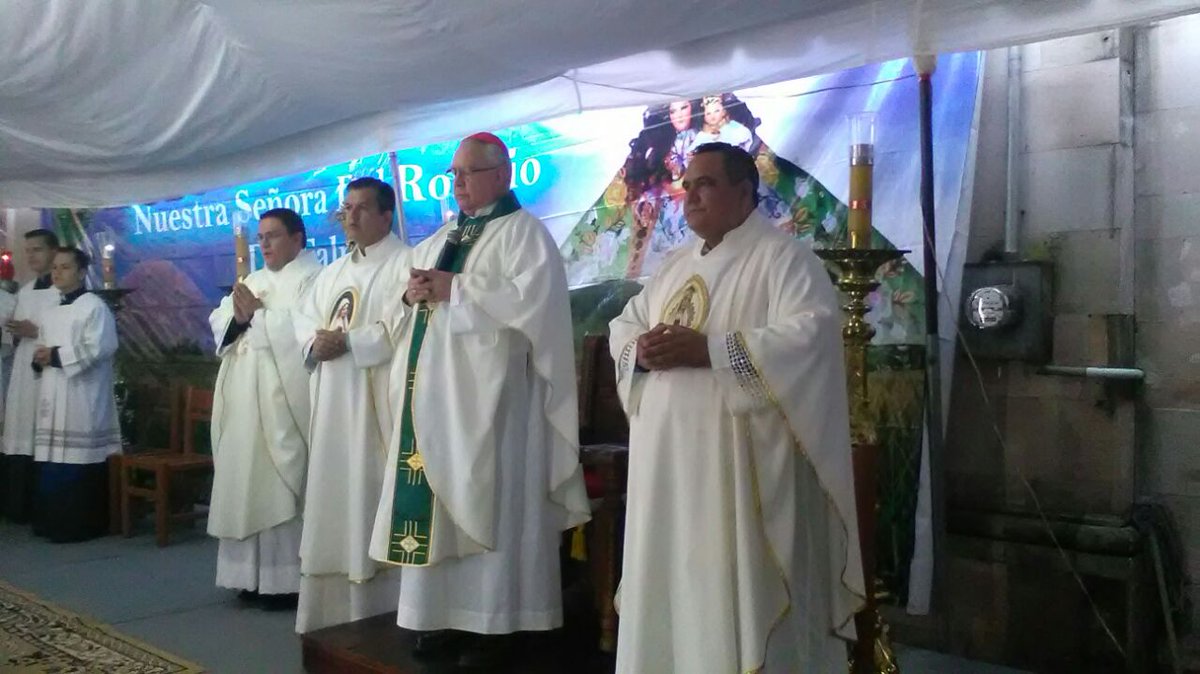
[109, 102]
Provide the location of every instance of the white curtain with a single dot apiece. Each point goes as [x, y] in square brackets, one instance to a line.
[110, 102]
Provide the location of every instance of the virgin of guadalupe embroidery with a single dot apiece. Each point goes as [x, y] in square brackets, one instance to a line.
[688, 306]
[341, 317]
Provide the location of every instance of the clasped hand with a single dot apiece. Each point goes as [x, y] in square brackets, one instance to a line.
[428, 285]
[670, 346]
[244, 303]
[42, 356]
[328, 344]
[23, 329]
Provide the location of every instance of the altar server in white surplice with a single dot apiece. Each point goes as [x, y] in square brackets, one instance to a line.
[345, 343]
[20, 409]
[483, 467]
[741, 539]
[261, 419]
[76, 428]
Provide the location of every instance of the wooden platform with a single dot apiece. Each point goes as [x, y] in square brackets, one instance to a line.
[377, 646]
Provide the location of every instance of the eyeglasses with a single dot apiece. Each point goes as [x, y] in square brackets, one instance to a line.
[271, 236]
[466, 173]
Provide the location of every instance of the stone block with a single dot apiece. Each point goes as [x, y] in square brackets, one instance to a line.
[1070, 339]
[974, 458]
[1096, 457]
[1076, 456]
[1168, 143]
[1097, 340]
[1088, 273]
[1168, 279]
[1167, 54]
[979, 611]
[1169, 216]
[1031, 449]
[1172, 452]
[1168, 350]
[1185, 515]
[1068, 190]
[1070, 50]
[1072, 106]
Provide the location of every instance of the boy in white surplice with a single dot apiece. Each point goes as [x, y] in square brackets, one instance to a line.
[76, 428]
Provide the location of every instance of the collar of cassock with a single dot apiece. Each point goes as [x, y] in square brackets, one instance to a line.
[362, 252]
[734, 234]
[42, 283]
[503, 206]
[73, 295]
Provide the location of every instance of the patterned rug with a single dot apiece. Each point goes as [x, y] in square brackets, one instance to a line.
[40, 638]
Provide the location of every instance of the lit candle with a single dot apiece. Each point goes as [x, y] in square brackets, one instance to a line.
[241, 248]
[108, 265]
[7, 271]
[862, 167]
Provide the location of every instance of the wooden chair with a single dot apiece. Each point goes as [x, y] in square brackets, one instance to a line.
[160, 415]
[604, 453]
[601, 416]
[163, 466]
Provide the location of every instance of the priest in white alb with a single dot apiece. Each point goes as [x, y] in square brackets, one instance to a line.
[261, 419]
[20, 408]
[741, 538]
[76, 428]
[483, 467]
[344, 342]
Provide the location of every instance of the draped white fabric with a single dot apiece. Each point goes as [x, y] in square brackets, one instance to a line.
[108, 102]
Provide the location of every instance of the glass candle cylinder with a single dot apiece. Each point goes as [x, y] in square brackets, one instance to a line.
[862, 168]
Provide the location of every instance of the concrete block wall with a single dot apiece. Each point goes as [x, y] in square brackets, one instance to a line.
[1075, 175]
[1109, 170]
[1167, 252]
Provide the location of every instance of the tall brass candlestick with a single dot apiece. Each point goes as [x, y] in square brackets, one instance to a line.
[241, 249]
[856, 279]
[862, 168]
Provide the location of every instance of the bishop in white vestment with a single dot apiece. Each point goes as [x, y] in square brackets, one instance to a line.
[77, 426]
[483, 472]
[261, 416]
[741, 539]
[20, 409]
[345, 343]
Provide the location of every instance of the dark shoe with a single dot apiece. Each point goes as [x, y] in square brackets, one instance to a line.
[488, 652]
[439, 643]
[279, 602]
[248, 596]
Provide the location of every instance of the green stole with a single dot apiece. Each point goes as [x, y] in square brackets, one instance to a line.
[411, 534]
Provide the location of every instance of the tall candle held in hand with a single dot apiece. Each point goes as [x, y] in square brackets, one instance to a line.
[241, 249]
[862, 168]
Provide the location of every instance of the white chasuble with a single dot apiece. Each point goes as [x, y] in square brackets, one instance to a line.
[76, 411]
[494, 437]
[20, 409]
[260, 430]
[351, 415]
[741, 539]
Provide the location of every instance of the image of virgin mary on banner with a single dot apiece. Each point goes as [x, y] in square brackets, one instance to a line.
[639, 218]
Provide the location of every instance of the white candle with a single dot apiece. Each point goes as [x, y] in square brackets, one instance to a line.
[108, 265]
